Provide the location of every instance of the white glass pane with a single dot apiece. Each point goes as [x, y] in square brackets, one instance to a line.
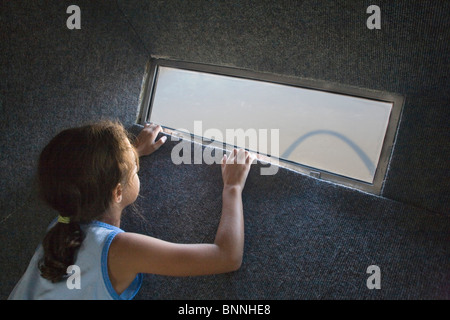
[337, 133]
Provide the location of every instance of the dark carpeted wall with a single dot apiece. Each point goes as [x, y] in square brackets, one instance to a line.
[305, 239]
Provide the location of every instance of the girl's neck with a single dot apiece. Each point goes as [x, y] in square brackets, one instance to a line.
[112, 217]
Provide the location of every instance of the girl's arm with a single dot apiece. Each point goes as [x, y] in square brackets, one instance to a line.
[132, 253]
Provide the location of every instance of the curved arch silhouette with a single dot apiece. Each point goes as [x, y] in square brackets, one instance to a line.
[362, 155]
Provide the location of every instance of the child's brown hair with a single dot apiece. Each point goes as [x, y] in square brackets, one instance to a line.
[77, 173]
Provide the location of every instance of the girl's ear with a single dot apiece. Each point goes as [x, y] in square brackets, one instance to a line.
[118, 193]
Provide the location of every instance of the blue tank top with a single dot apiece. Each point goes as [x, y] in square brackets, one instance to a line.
[94, 282]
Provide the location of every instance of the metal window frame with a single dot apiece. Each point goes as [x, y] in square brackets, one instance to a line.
[150, 84]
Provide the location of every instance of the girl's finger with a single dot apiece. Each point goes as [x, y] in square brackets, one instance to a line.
[224, 160]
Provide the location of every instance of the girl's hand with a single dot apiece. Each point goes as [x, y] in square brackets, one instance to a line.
[235, 168]
[145, 141]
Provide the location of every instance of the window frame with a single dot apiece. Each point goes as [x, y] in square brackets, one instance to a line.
[150, 81]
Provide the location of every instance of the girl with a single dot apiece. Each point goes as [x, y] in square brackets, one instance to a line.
[89, 175]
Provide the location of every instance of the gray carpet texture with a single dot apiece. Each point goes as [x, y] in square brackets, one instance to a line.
[305, 238]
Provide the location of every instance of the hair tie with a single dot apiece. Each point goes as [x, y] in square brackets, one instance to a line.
[62, 219]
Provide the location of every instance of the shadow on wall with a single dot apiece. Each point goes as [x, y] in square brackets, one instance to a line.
[362, 155]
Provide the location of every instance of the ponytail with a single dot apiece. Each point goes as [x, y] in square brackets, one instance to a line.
[60, 246]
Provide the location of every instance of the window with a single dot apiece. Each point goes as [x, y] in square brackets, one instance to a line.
[332, 132]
